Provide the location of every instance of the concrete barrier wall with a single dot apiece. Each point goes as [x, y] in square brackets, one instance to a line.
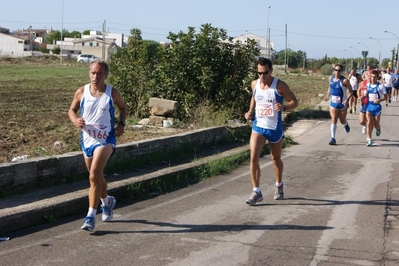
[62, 166]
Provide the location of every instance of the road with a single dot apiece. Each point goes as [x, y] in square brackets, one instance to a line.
[341, 207]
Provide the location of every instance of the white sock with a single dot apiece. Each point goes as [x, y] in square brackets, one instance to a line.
[256, 189]
[333, 130]
[92, 212]
[105, 201]
[279, 184]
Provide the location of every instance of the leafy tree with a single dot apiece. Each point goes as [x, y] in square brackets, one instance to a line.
[56, 36]
[135, 34]
[317, 64]
[53, 36]
[134, 73]
[294, 59]
[207, 68]
[204, 68]
[56, 50]
[86, 32]
[74, 34]
[385, 62]
[327, 69]
[372, 62]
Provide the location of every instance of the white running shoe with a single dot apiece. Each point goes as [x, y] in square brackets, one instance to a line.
[363, 130]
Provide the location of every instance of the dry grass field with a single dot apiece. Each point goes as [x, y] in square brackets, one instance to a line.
[35, 95]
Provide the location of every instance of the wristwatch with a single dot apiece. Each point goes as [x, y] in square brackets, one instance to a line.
[123, 123]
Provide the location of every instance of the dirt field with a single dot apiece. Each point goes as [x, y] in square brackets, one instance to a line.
[34, 103]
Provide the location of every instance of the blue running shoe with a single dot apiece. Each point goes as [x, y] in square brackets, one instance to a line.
[107, 210]
[347, 128]
[378, 132]
[89, 223]
[332, 142]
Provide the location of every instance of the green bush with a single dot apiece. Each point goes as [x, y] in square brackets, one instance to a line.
[201, 71]
[56, 50]
[327, 69]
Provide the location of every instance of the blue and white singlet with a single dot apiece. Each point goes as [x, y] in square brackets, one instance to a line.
[98, 114]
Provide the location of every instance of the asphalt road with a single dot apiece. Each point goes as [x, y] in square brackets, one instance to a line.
[341, 207]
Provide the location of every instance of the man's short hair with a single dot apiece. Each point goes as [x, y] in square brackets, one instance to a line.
[263, 61]
[340, 66]
[102, 63]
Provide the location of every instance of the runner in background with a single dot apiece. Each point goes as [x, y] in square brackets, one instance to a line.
[376, 94]
[354, 79]
[395, 85]
[387, 80]
[336, 95]
[362, 99]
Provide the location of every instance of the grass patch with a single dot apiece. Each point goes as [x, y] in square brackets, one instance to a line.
[158, 186]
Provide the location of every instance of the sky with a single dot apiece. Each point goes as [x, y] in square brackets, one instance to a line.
[337, 28]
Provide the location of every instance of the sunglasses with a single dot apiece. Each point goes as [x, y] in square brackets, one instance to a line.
[264, 73]
[338, 70]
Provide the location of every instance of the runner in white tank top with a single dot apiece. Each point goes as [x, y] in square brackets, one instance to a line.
[265, 108]
[98, 113]
[96, 104]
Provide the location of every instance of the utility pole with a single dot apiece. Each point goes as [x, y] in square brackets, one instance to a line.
[62, 26]
[103, 47]
[268, 34]
[286, 43]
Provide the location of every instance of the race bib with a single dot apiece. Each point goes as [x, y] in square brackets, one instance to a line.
[373, 97]
[264, 110]
[97, 131]
[335, 99]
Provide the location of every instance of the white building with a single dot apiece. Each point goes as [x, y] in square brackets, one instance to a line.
[98, 44]
[22, 42]
[264, 46]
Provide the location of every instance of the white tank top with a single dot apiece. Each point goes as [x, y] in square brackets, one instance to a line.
[98, 114]
[354, 82]
[266, 116]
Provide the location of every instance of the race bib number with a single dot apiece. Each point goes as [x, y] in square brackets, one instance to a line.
[373, 97]
[264, 110]
[335, 99]
[97, 131]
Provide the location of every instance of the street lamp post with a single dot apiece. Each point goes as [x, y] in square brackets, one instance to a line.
[358, 61]
[397, 47]
[379, 54]
[268, 34]
[351, 56]
[364, 54]
[62, 25]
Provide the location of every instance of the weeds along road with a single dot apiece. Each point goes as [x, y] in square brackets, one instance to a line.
[341, 207]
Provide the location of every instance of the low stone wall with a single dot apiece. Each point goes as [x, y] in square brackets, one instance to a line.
[62, 166]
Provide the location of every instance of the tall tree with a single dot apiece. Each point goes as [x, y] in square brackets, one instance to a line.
[135, 34]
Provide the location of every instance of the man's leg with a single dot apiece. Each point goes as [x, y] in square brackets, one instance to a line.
[278, 166]
[256, 144]
[370, 124]
[334, 113]
[377, 125]
[275, 154]
[98, 185]
[354, 98]
[363, 122]
[342, 119]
